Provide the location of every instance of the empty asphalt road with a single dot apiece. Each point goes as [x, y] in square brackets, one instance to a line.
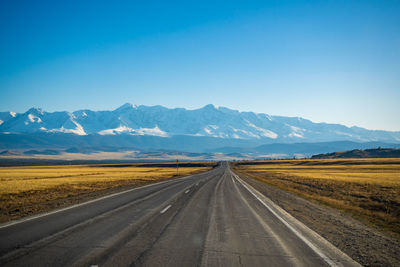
[209, 219]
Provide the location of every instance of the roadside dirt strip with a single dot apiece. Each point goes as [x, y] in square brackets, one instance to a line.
[364, 244]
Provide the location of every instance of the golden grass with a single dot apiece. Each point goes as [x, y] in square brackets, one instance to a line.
[367, 188]
[27, 190]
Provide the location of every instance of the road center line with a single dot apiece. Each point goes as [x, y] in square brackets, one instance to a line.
[165, 209]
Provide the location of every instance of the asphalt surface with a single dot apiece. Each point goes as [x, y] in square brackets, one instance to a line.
[209, 219]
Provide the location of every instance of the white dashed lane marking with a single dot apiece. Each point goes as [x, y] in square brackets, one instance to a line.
[165, 209]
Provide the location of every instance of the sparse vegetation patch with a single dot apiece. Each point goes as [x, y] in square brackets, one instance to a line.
[369, 189]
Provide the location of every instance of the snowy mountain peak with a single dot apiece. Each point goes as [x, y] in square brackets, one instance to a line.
[208, 121]
[35, 111]
[125, 107]
[210, 106]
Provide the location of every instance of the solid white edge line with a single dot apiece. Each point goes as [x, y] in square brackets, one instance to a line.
[84, 203]
[297, 233]
[165, 209]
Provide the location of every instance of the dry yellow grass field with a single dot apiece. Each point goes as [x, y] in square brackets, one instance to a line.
[369, 189]
[28, 190]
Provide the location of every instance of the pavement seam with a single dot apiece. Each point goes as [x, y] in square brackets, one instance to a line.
[210, 216]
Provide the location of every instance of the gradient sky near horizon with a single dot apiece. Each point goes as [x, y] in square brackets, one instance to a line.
[327, 61]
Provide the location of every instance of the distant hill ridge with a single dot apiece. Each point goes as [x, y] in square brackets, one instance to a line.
[358, 153]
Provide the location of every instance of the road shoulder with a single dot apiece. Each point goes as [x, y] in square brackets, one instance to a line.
[363, 244]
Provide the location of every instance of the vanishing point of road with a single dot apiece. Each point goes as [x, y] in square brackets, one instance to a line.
[209, 219]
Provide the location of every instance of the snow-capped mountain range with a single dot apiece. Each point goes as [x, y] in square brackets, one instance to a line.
[209, 121]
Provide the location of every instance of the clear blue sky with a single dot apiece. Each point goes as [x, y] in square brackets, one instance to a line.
[331, 61]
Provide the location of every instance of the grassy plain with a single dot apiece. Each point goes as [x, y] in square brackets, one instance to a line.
[28, 190]
[369, 189]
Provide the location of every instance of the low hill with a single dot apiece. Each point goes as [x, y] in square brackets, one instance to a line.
[42, 152]
[357, 153]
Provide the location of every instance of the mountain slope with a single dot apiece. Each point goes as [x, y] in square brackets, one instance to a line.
[5, 116]
[209, 121]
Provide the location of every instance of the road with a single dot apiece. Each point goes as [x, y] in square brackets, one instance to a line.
[208, 219]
